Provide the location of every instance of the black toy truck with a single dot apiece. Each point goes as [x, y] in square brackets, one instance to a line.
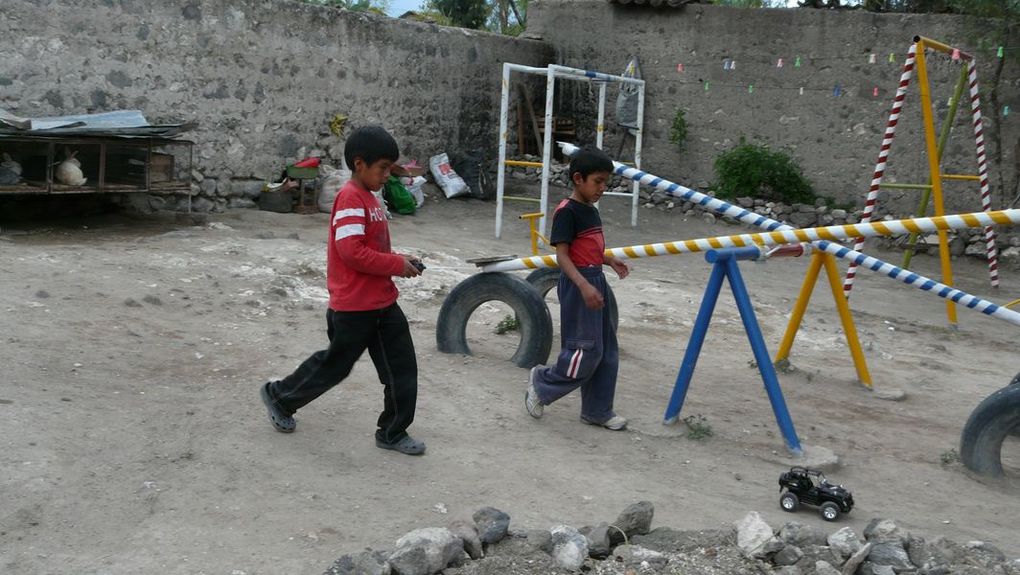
[809, 486]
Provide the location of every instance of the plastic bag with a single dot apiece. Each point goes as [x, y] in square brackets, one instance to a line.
[469, 166]
[627, 101]
[333, 179]
[415, 187]
[452, 184]
[397, 196]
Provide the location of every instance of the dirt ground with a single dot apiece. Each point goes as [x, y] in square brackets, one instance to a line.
[134, 440]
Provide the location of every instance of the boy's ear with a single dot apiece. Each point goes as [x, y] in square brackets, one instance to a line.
[578, 178]
[358, 164]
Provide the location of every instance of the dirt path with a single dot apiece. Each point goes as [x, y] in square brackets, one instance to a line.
[134, 440]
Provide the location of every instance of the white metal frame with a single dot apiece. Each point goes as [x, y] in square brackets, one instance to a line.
[552, 72]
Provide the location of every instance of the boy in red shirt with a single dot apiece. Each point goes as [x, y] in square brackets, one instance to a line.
[363, 311]
[589, 357]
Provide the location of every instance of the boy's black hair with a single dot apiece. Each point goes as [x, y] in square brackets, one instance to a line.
[588, 161]
[371, 144]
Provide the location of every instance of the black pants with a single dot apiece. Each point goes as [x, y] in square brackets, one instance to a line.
[387, 337]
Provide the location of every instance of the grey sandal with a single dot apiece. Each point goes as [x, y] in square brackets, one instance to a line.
[281, 421]
[407, 445]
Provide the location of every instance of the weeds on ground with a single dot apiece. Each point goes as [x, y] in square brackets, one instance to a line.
[697, 427]
[949, 456]
[508, 323]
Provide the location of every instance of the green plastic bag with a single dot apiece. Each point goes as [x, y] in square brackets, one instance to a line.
[396, 194]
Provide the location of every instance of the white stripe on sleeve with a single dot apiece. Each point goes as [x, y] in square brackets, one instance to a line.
[349, 230]
[349, 212]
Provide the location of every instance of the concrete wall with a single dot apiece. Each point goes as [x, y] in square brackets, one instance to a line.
[835, 139]
[261, 77]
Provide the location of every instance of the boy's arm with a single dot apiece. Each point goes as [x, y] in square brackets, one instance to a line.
[619, 266]
[592, 297]
[348, 227]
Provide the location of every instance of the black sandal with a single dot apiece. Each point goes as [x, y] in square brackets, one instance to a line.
[281, 421]
[407, 445]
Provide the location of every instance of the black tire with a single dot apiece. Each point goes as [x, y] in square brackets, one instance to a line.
[546, 279]
[988, 425]
[528, 305]
[829, 511]
[789, 502]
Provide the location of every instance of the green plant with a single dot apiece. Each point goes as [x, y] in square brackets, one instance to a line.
[508, 323]
[950, 456]
[678, 132]
[756, 171]
[697, 427]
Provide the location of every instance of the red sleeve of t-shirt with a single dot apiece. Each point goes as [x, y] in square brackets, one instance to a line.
[352, 232]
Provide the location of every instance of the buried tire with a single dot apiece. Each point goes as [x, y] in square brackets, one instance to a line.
[987, 427]
[521, 296]
[546, 279]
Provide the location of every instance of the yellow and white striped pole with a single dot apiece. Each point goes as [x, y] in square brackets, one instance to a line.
[790, 236]
[823, 236]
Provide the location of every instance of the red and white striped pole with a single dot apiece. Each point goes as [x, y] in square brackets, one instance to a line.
[883, 156]
[986, 196]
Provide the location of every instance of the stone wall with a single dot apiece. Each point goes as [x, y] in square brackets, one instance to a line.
[262, 78]
[835, 139]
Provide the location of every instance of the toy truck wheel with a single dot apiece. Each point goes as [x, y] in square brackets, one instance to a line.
[545, 280]
[528, 306]
[829, 511]
[987, 427]
[789, 502]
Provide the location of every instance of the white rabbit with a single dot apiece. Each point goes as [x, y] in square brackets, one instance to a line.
[10, 171]
[69, 171]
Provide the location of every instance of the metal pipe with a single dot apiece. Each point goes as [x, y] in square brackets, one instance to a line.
[785, 235]
[883, 156]
[921, 282]
[550, 87]
[504, 110]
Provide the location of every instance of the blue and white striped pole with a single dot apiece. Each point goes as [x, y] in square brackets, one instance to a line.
[748, 217]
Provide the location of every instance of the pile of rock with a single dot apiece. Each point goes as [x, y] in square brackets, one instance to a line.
[628, 546]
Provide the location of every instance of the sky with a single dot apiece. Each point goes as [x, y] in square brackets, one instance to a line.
[398, 7]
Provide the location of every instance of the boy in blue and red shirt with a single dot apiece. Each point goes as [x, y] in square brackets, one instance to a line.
[363, 311]
[589, 357]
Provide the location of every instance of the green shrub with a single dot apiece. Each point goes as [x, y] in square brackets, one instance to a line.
[697, 427]
[678, 133]
[508, 323]
[758, 172]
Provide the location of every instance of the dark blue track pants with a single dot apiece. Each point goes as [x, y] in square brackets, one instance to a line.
[589, 357]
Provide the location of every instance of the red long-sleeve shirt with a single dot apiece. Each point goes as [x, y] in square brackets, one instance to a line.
[359, 261]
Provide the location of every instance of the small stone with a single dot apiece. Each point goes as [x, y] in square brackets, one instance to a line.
[130, 302]
[151, 299]
[570, 548]
[636, 519]
[42, 294]
[599, 541]
[468, 534]
[708, 218]
[492, 524]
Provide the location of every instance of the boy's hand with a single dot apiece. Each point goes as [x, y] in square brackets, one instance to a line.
[410, 270]
[620, 267]
[592, 297]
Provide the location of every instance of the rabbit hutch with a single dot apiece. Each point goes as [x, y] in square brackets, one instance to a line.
[95, 159]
